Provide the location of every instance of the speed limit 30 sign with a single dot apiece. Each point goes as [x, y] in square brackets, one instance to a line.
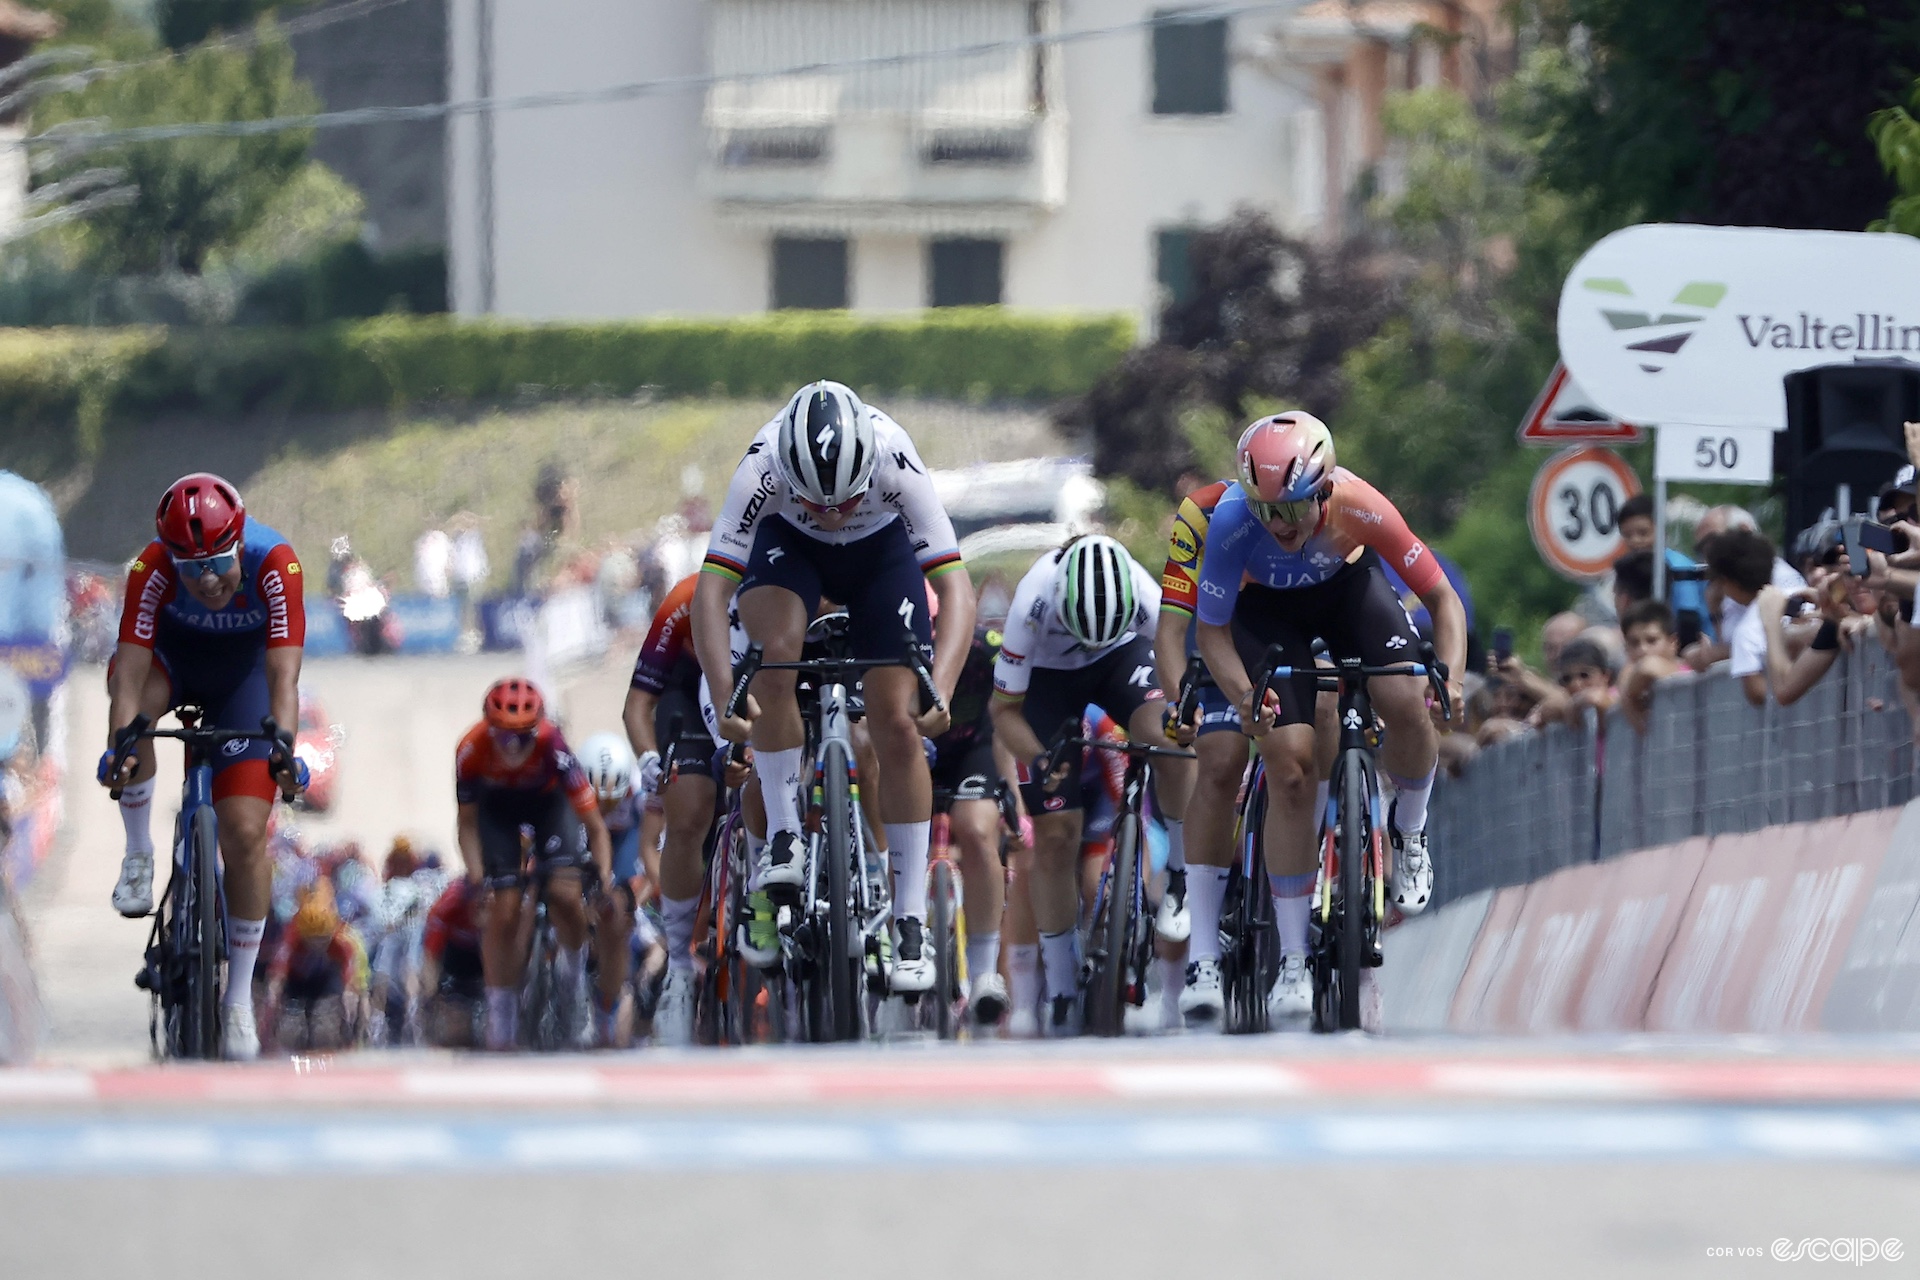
[1574, 511]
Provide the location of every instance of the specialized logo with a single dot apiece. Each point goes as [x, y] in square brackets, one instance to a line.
[905, 462]
[1656, 338]
[1142, 677]
[906, 612]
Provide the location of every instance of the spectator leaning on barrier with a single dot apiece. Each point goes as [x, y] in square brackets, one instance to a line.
[1584, 679]
[1685, 589]
[1715, 521]
[1653, 654]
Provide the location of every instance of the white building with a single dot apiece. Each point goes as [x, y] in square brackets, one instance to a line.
[1060, 175]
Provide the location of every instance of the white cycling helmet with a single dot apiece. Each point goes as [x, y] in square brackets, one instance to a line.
[608, 761]
[1093, 590]
[825, 451]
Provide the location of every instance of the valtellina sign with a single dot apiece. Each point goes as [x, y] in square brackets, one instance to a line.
[1697, 325]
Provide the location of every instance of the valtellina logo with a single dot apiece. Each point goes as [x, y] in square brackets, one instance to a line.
[1671, 330]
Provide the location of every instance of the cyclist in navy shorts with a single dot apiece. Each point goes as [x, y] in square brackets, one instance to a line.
[832, 499]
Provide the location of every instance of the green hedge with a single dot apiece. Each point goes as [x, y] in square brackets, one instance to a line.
[62, 390]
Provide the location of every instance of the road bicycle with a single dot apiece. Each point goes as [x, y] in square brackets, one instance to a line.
[946, 914]
[838, 932]
[733, 1003]
[1119, 949]
[187, 949]
[1350, 903]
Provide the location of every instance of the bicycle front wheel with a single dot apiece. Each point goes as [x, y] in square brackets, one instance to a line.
[1110, 990]
[1355, 850]
[843, 951]
[942, 933]
[203, 1005]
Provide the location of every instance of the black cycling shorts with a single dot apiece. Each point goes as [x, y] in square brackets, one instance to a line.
[1119, 683]
[965, 770]
[877, 579]
[559, 837]
[1356, 612]
[696, 749]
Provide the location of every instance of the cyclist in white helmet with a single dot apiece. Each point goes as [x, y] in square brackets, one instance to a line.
[832, 499]
[1079, 632]
[616, 778]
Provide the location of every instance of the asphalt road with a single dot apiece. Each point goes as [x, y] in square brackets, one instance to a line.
[1287, 1155]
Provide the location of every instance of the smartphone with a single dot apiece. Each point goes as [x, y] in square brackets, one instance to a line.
[1502, 643]
[1687, 628]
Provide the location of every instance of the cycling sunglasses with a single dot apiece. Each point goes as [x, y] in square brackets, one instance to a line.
[201, 566]
[1291, 512]
[838, 510]
[520, 739]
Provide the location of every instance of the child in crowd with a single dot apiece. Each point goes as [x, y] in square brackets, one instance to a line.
[1653, 654]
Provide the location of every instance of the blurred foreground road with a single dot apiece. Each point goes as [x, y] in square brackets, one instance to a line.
[1286, 1155]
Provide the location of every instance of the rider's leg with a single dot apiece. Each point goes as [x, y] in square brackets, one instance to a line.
[776, 619]
[906, 787]
[1022, 939]
[1172, 779]
[975, 830]
[503, 962]
[1411, 748]
[133, 895]
[1216, 785]
[612, 947]
[867, 760]
[249, 882]
[689, 810]
[566, 907]
[1291, 782]
[1054, 889]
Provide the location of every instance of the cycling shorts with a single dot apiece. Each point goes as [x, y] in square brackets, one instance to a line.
[695, 751]
[226, 677]
[966, 770]
[461, 975]
[559, 837]
[1217, 715]
[1356, 612]
[1119, 682]
[307, 983]
[877, 579]
[626, 853]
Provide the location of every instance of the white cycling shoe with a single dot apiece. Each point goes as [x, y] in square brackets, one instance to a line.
[1201, 1004]
[1173, 922]
[673, 1019]
[1063, 1017]
[912, 958]
[239, 1038]
[779, 867]
[1023, 1024]
[133, 895]
[1292, 995]
[988, 1000]
[1410, 885]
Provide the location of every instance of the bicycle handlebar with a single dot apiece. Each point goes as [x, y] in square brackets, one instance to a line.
[1191, 683]
[141, 728]
[1069, 736]
[1330, 679]
[755, 662]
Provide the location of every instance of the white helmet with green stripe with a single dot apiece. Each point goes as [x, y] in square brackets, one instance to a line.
[1093, 590]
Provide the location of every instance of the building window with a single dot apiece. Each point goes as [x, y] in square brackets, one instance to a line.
[1173, 263]
[809, 274]
[966, 273]
[1189, 65]
[745, 148]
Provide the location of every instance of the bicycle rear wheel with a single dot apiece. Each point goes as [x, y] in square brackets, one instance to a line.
[203, 925]
[1355, 849]
[843, 961]
[1115, 932]
[943, 934]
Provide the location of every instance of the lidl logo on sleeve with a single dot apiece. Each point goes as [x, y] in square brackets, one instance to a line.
[1184, 545]
[1657, 338]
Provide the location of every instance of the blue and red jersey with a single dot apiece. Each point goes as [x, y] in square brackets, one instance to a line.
[269, 603]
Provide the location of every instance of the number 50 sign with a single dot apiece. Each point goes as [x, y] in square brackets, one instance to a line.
[1574, 511]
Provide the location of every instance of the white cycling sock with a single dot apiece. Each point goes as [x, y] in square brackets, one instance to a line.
[1320, 793]
[983, 954]
[503, 1017]
[677, 914]
[780, 787]
[907, 858]
[243, 949]
[1292, 914]
[1023, 976]
[1176, 845]
[136, 815]
[1410, 803]
[1059, 953]
[1173, 980]
[754, 845]
[1206, 888]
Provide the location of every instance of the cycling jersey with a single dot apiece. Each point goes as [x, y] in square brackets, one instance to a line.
[1355, 518]
[304, 968]
[667, 659]
[479, 770]
[1036, 637]
[970, 710]
[901, 493]
[1186, 549]
[267, 609]
[451, 922]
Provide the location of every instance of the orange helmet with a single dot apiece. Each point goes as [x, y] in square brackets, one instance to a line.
[317, 917]
[1287, 457]
[513, 704]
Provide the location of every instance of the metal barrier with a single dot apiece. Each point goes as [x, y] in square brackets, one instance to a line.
[1708, 764]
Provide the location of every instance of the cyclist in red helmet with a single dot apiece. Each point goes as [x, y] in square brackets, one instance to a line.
[514, 769]
[213, 618]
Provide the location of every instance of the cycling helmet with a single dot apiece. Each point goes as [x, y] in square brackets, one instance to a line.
[1287, 457]
[513, 704]
[199, 515]
[608, 761]
[1093, 590]
[317, 918]
[825, 451]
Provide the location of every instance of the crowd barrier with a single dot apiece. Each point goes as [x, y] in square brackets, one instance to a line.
[1708, 765]
[1799, 927]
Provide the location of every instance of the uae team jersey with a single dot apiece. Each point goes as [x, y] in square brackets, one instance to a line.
[1239, 549]
[901, 490]
[267, 607]
[667, 659]
[479, 770]
[1036, 637]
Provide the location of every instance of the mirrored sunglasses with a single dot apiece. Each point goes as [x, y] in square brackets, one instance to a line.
[201, 566]
[1291, 512]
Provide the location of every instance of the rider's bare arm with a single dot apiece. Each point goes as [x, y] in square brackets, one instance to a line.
[1010, 729]
[1449, 631]
[1223, 662]
[710, 600]
[599, 843]
[132, 663]
[1170, 650]
[468, 830]
[953, 629]
[637, 715]
[283, 686]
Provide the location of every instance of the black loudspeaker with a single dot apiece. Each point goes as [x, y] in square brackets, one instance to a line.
[1845, 425]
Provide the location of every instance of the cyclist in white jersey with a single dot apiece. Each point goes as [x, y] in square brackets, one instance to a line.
[832, 499]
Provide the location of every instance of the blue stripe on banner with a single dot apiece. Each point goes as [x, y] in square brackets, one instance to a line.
[384, 1144]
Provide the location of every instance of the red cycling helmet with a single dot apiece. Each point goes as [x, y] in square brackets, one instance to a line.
[199, 515]
[1287, 457]
[513, 704]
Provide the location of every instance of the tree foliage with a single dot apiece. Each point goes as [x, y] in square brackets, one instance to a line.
[184, 23]
[1735, 112]
[1896, 134]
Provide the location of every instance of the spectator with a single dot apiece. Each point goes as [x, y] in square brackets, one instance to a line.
[1739, 567]
[1653, 654]
[469, 570]
[1498, 710]
[1685, 590]
[1556, 633]
[433, 563]
[1584, 679]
